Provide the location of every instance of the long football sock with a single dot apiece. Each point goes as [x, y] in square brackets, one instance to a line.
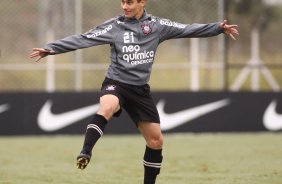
[152, 165]
[93, 132]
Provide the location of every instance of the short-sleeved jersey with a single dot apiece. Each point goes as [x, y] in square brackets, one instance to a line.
[133, 43]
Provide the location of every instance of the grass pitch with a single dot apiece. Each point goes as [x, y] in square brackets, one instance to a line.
[188, 159]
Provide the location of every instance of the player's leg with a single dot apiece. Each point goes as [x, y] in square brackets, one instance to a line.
[153, 153]
[109, 104]
[144, 113]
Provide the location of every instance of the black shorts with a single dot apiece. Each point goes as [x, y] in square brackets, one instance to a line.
[135, 100]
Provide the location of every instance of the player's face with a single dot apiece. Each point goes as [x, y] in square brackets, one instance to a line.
[133, 8]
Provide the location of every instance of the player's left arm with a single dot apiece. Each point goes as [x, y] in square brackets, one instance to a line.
[230, 30]
[171, 30]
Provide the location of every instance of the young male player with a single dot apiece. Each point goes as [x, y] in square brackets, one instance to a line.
[133, 37]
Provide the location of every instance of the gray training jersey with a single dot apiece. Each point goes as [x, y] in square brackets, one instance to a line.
[133, 43]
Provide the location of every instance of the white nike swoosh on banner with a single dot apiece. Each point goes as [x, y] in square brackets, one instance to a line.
[48, 121]
[271, 119]
[173, 120]
[4, 107]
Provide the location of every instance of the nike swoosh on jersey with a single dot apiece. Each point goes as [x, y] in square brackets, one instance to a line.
[4, 107]
[49, 121]
[271, 119]
[173, 120]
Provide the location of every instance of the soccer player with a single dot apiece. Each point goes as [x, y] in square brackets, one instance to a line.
[134, 38]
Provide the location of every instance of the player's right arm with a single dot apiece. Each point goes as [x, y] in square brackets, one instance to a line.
[40, 53]
[99, 35]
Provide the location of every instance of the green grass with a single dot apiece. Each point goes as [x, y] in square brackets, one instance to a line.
[188, 159]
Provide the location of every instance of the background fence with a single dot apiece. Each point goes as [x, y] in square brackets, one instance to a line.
[250, 63]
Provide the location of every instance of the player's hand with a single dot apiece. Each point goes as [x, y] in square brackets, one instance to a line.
[40, 53]
[229, 30]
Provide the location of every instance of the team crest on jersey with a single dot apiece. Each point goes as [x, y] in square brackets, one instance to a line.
[146, 28]
[111, 88]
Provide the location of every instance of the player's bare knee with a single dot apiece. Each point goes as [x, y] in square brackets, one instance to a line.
[106, 110]
[155, 142]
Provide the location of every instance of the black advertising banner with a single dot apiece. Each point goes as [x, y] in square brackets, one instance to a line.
[69, 113]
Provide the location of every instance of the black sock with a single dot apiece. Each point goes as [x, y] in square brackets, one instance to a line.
[152, 165]
[93, 132]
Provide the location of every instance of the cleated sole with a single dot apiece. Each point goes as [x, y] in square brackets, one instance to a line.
[82, 162]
